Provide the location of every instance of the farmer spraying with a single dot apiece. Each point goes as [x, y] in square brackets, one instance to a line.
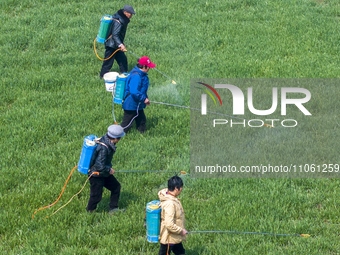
[172, 231]
[102, 171]
[135, 97]
[115, 41]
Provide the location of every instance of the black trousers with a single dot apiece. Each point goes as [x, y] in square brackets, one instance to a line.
[119, 56]
[140, 120]
[177, 249]
[97, 184]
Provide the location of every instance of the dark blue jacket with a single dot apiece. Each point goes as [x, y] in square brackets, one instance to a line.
[137, 85]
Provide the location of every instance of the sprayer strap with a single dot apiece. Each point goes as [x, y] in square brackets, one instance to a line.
[128, 94]
[97, 141]
[108, 38]
[116, 20]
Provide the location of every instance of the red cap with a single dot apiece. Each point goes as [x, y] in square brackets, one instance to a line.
[145, 61]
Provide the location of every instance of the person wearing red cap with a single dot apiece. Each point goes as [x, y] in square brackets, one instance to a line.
[135, 97]
[115, 41]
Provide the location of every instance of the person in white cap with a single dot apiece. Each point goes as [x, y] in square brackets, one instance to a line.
[115, 40]
[102, 171]
[135, 97]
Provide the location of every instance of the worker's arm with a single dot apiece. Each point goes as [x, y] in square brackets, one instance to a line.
[116, 27]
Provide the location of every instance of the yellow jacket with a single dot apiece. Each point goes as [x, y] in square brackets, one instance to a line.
[172, 219]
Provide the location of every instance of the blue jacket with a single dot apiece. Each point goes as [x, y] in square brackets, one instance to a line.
[137, 85]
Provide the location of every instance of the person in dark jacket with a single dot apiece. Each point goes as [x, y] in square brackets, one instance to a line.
[102, 171]
[136, 98]
[116, 41]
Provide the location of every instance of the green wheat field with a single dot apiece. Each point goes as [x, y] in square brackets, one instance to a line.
[52, 97]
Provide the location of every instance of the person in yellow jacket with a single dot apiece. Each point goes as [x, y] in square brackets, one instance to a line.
[172, 231]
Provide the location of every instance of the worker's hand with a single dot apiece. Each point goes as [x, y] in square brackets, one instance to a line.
[112, 171]
[147, 101]
[184, 232]
[122, 48]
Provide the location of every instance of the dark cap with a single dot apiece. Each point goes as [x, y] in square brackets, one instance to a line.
[129, 9]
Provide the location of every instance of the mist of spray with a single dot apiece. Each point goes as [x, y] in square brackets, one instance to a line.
[167, 92]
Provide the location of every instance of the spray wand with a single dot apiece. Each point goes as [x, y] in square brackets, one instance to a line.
[181, 172]
[196, 109]
[240, 232]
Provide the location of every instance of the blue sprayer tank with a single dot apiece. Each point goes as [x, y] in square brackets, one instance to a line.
[120, 88]
[105, 23]
[89, 146]
[153, 220]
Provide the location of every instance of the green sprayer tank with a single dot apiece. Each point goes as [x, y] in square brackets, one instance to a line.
[105, 23]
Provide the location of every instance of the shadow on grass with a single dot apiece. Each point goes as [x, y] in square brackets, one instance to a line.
[124, 200]
[151, 122]
[197, 250]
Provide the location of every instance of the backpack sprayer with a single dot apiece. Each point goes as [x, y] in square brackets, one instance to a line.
[102, 37]
[116, 83]
[89, 146]
[153, 220]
